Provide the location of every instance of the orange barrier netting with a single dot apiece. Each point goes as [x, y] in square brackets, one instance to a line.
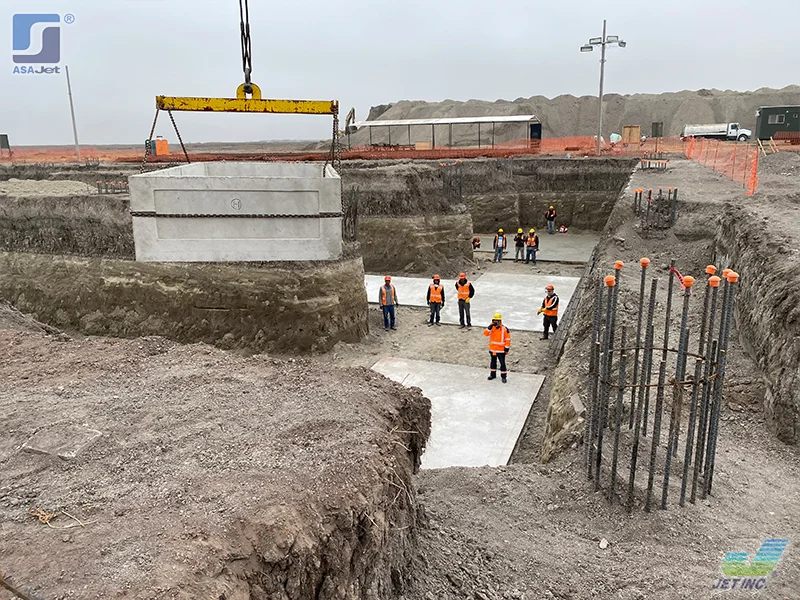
[735, 160]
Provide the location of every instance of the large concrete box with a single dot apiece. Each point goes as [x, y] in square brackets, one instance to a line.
[237, 211]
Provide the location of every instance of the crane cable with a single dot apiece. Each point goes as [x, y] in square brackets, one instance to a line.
[247, 48]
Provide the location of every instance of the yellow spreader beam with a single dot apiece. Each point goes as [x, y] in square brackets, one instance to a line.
[248, 105]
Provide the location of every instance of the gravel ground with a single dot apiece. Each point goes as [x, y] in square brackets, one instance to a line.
[30, 187]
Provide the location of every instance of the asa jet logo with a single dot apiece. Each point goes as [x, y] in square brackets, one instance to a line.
[37, 39]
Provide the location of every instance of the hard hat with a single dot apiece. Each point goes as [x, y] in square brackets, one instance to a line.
[499, 231]
[497, 317]
[462, 275]
[551, 208]
[519, 230]
[387, 278]
[532, 230]
[435, 277]
[549, 287]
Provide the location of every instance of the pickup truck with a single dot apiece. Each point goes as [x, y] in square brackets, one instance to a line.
[719, 131]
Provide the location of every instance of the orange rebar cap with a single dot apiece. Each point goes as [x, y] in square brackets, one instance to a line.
[713, 281]
[725, 273]
[732, 277]
[618, 265]
[645, 262]
[610, 280]
[711, 269]
[688, 281]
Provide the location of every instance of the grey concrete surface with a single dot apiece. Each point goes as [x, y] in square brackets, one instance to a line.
[559, 247]
[474, 422]
[515, 297]
[237, 211]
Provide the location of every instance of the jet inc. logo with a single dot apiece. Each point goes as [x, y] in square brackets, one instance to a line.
[36, 40]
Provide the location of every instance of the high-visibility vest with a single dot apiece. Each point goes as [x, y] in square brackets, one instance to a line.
[393, 300]
[499, 338]
[533, 240]
[499, 240]
[550, 305]
[463, 290]
[436, 293]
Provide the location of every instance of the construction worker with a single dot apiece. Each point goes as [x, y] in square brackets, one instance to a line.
[499, 344]
[499, 244]
[388, 300]
[550, 310]
[519, 242]
[435, 300]
[550, 217]
[533, 246]
[465, 293]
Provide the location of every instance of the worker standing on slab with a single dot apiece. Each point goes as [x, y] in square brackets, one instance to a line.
[465, 293]
[388, 300]
[550, 310]
[532, 242]
[519, 242]
[550, 217]
[435, 300]
[499, 244]
[499, 345]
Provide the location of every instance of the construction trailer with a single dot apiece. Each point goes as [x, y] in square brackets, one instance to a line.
[778, 122]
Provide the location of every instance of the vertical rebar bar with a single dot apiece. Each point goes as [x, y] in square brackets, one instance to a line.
[621, 380]
[680, 367]
[674, 424]
[644, 388]
[708, 385]
[662, 372]
[687, 456]
[595, 416]
[604, 383]
[725, 332]
[644, 262]
[673, 215]
[594, 369]
[710, 270]
[668, 310]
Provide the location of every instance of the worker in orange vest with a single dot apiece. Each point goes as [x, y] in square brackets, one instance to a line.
[499, 244]
[550, 217]
[533, 246]
[388, 300]
[465, 293]
[550, 310]
[435, 300]
[499, 345]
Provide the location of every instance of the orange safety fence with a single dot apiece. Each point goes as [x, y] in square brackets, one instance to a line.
[736, 160]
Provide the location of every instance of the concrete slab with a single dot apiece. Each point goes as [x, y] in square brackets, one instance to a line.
[474, 422]
[228, 212]
[559, 247]
[516, 297]
[63, 441]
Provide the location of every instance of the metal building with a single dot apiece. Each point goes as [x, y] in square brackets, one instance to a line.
[778, 122]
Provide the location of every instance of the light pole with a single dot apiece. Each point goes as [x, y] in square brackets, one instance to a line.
[611, 40]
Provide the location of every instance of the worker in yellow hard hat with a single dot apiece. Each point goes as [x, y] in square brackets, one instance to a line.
[550, 217]
[519, 242]
[499, 345]
[500, 243]
[532, 243]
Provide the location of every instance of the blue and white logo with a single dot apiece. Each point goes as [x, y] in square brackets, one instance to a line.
[37, 39]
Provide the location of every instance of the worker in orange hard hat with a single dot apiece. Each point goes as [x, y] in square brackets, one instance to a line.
[550, 217]
[499, 244]
[435, 300]
[519, 242]
[533, 246]
[465, 292]
[550, 310]
[388, 300]
[499, 345]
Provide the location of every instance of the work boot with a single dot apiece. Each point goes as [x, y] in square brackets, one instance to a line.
[438, 324]
[463, 326]
[543, 338]
[394, 328]
[504, 379]
[386, 329]
[492, 376]
[430, 323]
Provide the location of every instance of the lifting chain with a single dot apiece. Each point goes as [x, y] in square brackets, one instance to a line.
[247, 49]
[147, 146]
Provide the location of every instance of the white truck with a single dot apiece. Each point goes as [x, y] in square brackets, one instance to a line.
[719, 131]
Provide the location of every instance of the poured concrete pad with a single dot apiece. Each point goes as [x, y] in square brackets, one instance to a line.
[474, 422]
[559, 247]
[63, 441]
[516, 297]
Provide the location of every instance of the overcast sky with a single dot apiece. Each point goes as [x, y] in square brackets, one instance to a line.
[122, 53]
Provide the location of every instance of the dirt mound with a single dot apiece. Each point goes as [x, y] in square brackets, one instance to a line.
[568, 115]
[215, 476]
